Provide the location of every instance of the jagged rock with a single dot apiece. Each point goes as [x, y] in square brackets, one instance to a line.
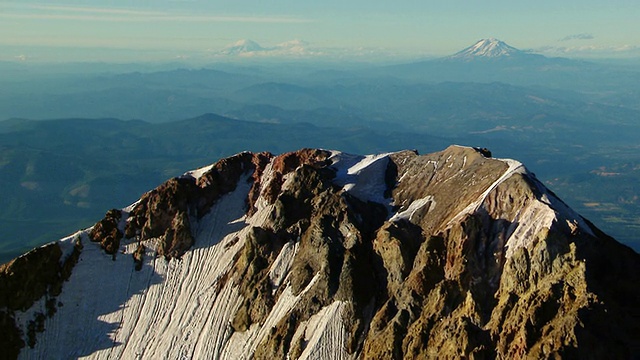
[11, 339]
[286, 163]
[260, 250]
[27, 279]
[260, 161]
[138, 256]
[320, 254]
[34, 274]
[164, 213]
[106, 231]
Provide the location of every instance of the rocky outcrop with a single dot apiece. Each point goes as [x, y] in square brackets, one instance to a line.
[474, 290]
[332, 260]
[286, 163]
[35, 276]
[165, 213]
[327, 255]
[107, 233]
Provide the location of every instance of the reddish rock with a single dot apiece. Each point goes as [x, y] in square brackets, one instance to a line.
[286, 163]
[260, 161]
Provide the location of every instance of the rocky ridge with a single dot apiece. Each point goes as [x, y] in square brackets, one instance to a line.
[322, 254]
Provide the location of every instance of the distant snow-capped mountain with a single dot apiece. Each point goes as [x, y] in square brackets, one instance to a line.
[242, 47]
[490, 48]
[249, 48]
[491, 60]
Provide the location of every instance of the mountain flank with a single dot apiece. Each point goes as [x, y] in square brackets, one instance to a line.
[323, 254]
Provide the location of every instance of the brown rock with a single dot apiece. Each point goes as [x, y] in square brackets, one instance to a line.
[25, 280]
[106, 231]
[164, 212]
[440, 281]
[138, 256]
[288, 162]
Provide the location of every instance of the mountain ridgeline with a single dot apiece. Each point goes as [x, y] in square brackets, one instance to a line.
[323, 254]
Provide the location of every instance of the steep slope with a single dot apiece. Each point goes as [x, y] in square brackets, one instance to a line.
[320, 254]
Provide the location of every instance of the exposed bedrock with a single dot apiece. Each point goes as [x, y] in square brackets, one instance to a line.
[398, 256]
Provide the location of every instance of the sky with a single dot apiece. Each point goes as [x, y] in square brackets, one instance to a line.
[144, 30]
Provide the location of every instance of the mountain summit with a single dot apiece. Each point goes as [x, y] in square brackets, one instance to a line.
[240, 47]
[248, 48]
[327, 255]
[487, 49]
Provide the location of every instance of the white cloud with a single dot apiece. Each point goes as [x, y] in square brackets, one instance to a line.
[95, 10]
[591, 50]
[583, 36]
[83, 13]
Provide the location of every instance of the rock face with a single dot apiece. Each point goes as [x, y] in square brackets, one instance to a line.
[320, 254]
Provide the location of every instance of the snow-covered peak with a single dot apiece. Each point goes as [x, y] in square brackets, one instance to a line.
[197, 173]
[248, 48]
[241, 47]
[487, 48]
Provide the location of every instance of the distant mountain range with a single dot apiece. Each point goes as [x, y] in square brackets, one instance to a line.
[484, 49]
[574, 122]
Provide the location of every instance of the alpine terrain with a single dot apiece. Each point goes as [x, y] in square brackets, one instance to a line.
[319, 254]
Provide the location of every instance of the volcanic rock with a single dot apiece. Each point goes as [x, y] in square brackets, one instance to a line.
[322, 254]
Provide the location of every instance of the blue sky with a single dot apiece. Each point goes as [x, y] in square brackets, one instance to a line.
[167, 29]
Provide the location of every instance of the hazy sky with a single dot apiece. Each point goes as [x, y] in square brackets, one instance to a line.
[166, 29]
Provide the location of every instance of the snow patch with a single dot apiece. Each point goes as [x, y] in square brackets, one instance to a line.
[412, 208]
[325, 334]
[541, 214]
[282, 264]
[197, 173]
[362, 176]
[514, 167]
[242, 345]
[568, 213]
[68, 244]
[529, 222]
